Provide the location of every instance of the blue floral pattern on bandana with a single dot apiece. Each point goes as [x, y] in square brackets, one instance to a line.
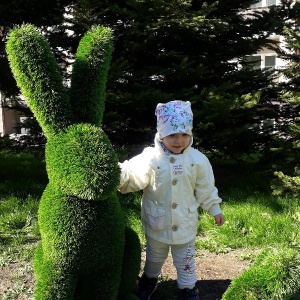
[174, 117]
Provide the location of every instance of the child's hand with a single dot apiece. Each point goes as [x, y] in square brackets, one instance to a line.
[219, 219]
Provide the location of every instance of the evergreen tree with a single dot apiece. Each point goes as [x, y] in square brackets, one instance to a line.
[48, 15]
[190, 50]
[187, 50]
[287, 151]
[42, 13]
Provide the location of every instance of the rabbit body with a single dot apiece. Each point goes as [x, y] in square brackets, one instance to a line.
[82, 240]
[78, 250]
[80, 218]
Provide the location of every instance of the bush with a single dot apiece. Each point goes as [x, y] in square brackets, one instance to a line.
[274, 275]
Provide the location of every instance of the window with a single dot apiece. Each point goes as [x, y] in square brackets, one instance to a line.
[255, 61]
[264, 3]
[258, 4]
[24, 130]
[261, 61]
[270, 61]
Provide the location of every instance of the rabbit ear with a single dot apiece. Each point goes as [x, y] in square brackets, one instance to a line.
[38, 76]
[87, 95]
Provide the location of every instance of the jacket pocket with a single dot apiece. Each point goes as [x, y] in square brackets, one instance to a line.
[193, 214]
[155, 217]
[194, 206]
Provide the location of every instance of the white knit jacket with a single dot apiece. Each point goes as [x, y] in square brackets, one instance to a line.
[174, 186]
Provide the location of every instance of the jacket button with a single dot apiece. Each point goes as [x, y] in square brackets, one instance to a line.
[175, 227]
[174, 181]
[174, 205]
[172, 160]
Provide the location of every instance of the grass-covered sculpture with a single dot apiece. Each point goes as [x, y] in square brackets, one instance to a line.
[80, 218]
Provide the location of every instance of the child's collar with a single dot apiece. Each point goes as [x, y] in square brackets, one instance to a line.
[166, 150]
[158, 143]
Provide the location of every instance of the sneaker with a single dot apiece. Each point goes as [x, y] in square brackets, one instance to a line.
[146, 287]
[189, 294]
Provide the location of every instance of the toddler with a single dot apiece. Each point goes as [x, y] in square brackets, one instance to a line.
[176, 179]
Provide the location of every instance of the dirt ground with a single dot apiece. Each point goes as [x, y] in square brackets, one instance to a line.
[214, 273]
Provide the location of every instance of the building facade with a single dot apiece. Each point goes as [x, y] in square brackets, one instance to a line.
[10, 120]
[267, 58]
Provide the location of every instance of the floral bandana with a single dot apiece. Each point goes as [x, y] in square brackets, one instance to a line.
[174, 117]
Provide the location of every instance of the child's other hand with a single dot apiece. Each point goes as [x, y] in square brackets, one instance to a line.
[219, 219]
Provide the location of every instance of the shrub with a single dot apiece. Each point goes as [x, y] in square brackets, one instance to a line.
[275, 275]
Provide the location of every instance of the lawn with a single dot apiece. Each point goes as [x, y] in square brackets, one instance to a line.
[255, 219]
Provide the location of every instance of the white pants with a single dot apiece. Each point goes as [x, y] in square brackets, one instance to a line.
[183, 259]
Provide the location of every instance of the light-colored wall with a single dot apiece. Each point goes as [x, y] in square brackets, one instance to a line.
[9, 120]
[1, 122]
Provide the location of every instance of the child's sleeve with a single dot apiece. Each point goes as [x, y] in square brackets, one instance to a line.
[134, 174]
[206, 193]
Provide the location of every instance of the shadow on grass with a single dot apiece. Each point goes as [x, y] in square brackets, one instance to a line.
[208, 290]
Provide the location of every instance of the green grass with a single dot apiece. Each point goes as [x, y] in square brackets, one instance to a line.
[274, 275]
[254, 218]
[22, 174]
[252, 221]
[22, 181]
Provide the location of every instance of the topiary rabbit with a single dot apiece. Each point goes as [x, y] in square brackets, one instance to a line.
[80, 218]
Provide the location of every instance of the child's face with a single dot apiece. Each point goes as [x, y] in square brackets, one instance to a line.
[176, 142]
